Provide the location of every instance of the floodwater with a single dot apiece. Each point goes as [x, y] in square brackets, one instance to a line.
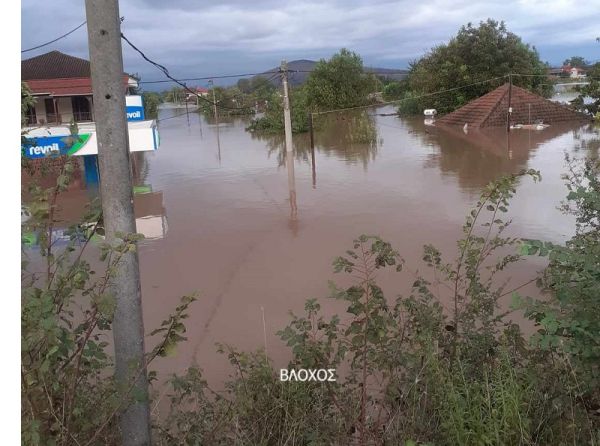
[226, 217]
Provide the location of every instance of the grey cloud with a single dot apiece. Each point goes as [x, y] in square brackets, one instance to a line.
[202, 38]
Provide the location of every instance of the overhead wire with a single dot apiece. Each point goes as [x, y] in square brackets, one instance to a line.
[55, 40]
[165, 71]
[226, 76]
[379, 104]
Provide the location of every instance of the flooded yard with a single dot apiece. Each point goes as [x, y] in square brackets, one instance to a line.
[224, 217]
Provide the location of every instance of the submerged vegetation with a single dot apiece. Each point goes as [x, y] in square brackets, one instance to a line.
[339, 82]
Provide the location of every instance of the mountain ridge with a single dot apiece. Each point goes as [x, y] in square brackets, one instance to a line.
[300, 69]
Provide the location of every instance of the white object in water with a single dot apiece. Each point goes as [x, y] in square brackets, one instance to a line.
[466, 128]
[430, 112]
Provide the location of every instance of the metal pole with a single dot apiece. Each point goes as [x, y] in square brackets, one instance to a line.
[286, 108]
[509, 103]
[104, 39]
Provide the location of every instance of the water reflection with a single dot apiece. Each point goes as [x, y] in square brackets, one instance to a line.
[75, 201]
[292, 190]
[351, 136]
[482, 155]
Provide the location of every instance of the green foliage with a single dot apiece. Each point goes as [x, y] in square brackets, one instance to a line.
[151, 102]
[339, 82]
[175, 94]
[27, 101]
[259, 88]
[394, 90]
[576, 61]
[475, 55]
[231, 102]
[272, 121]
[67, 389]
[569, 321]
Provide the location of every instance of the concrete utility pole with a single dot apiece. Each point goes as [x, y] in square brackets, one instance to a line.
[216, 112]
[104, 37]
[509, 102]
[286, 108]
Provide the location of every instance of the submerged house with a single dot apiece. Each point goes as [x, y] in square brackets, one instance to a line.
[62, 87]
[491, 110]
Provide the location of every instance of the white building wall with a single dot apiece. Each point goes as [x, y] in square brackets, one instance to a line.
[40, 110]
[65, 109]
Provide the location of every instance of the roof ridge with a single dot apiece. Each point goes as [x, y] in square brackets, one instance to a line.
[497, 104]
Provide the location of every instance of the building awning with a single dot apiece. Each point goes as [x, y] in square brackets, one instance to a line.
[65, 87]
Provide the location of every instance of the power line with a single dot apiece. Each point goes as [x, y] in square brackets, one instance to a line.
[177, 81]
[55, 40]
[208, 77]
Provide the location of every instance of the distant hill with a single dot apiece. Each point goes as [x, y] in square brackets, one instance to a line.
[304, 67]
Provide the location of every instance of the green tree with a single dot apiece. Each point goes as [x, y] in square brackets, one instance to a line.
[27, 102]
[569, 320]
[339, 82]
[260, 88]
[272, 120]
[151, 102]
[231, 101]
[592, 90]
[471, 58]
[576, 61]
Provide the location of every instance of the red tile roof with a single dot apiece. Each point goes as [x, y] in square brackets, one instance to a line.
[59, 74]
[491, 109]
[64, 87]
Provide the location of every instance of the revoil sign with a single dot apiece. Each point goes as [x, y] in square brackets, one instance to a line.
[134, 108]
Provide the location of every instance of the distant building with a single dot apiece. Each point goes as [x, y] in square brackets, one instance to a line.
[567, 71]
[491, 110]
[575, 72]
[62, 87]
[199, 91]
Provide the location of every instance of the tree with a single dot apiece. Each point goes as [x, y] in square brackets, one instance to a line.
[477, 58]
[576, 61]
[591, 90]
[151, 103]
[272, 121]
[260, 88]
[339, 82]
[27, 102]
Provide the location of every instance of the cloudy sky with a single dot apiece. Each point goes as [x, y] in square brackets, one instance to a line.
[196, 38]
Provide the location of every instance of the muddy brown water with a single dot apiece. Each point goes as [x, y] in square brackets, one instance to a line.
[225, 217]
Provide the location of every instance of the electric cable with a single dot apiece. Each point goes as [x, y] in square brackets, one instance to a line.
[55, 40]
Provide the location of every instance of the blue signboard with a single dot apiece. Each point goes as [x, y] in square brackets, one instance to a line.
[54, 145]
[134, 107]
[135, 113]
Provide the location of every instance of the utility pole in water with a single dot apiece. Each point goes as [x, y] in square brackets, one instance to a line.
[286, 108]
[509, 102]
[289, 148]
[106, 58]
[216, 112]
